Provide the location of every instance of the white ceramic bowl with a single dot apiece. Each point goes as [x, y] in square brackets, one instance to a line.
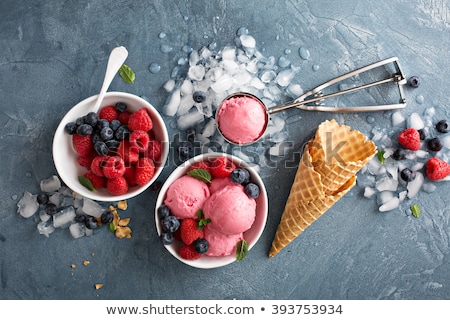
[64, 155]
[251, 236]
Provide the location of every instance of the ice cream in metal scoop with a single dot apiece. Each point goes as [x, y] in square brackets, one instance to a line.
[242, 118]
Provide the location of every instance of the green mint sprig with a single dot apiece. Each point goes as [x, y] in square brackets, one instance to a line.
[85, 182]
[200, 174]
[127, 74]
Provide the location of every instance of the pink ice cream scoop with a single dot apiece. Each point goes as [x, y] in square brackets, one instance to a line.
[186, 196]
[220, 244]
[220, 183]
[242, 119]
[230, 210]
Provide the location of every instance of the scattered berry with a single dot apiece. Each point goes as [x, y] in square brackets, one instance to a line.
[90, 222]
[82, 144]
[410, 139]
[170, 224]
[199, 96]
[166, 238]
[154, 149]
[200, 165]
[189, 231]
[188, 252]
[140, 140]
[42, 198]
[163, 212]
[130, 176]
[190, 134]
[423, 134]
[201, 246]
[70, 127]
[240, 175]
[140, 120]
[123, 117]
[434, 144]
[399, 154]
[222, 167]
[97, 165]
[101, 148]
[437, 169]
[106, 133]
[117, 186]
[50, 208]
[122, 132]
[108, 113]
[85, 161]
[97, 181]
[252, 190]
[107, 217]
[115, 124]
[85, 129]
[91, 119]
[144, 171]
[407, 175]
[443, 126]
[114, 167]
[121, 106]
[80, 218]
[414, 81]
[128, 153]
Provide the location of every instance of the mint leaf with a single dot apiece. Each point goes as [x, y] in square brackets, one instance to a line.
[200, 174]
[241, 250]
[200, 214]
[202, 223]
[381, 157]
[85, 182]
[127, 74]
[111, 227]
[415, 209]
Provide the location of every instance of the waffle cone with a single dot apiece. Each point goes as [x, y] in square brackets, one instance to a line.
[326, 172]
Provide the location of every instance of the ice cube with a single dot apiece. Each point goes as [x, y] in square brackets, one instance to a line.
[189, 120]
[391, 204]
[57, 199]
[196, 72]
[415, 121]
[64, 217]
[186, 87]
[186, 103]
[268, 76]
[294, 90]
[51, 184]
[92, 208]
[172, 103]
[386, 184]
[247, 41]
[27, 205]
[223, 84]
[284, 77]
[229, 53]
[209, 129]
[369, 192]
[43, 216]
[77, 230]
[414, 186]
[397, 119]
[45, 227]
[279, 149]
[169, 85]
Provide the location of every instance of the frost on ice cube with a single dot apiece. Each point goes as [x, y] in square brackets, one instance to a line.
[92, 208]
[27, 205]
[45, 228]
[51, 184]
[77, 230]
[64, 217]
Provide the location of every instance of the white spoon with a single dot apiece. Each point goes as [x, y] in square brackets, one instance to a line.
[115, 61]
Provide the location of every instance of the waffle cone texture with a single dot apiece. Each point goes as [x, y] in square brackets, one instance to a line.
[326, 172]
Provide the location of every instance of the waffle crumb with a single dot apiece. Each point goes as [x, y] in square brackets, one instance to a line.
[86, 262]
[122, 205]
[98, 286]
[73, 266]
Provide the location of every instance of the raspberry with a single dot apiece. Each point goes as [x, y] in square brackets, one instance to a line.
[190, 231]
[128, 153]
[188, 252]
[117, 186]
[97, 182]
[82, 144]
[140, 120]
[140, 140]
[108, 113]
[222, 167]
[410, 139]
[123, 117]
[114, 167]
[154, 149]
[97, 165]
[200, 165]
[145, 170]
[437, 169]
[85, 161]
[130, 175]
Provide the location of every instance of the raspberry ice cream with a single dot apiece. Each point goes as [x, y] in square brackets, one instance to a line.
[186, 196]
[242, 119]
[230, 210]
[221, 244]
[220, 183]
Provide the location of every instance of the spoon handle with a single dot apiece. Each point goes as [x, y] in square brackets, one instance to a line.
[116, 59]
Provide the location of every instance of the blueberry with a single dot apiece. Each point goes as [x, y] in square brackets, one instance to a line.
[166, 238]
[90, 222]
[199, 96]
[201, 245]
[122, 132]
[240, 175]
[422, 134]
[185, 149]
[101, 123]
[115, 124]
[170, 224]
[81, 218]
[96, 137]
[70, 127]
[106, 217]
[50, 208]
[42, 198]
[91, 118]
[443, 126]
[85, 129]
[252, 190]
[79, 121]
[121, 107]
[106, 133]
[414, 81]
[407, 175]
[163, 212]
[190, 134]
[101, 148]
[434, 144]
[399, 154]
[112, 144]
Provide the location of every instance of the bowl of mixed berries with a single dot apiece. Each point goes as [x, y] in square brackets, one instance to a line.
[211, 210]
[114, 154]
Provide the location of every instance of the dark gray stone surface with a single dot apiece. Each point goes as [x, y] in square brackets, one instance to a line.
[53, 54]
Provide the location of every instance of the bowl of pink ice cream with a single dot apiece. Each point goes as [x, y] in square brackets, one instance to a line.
[211, 210]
